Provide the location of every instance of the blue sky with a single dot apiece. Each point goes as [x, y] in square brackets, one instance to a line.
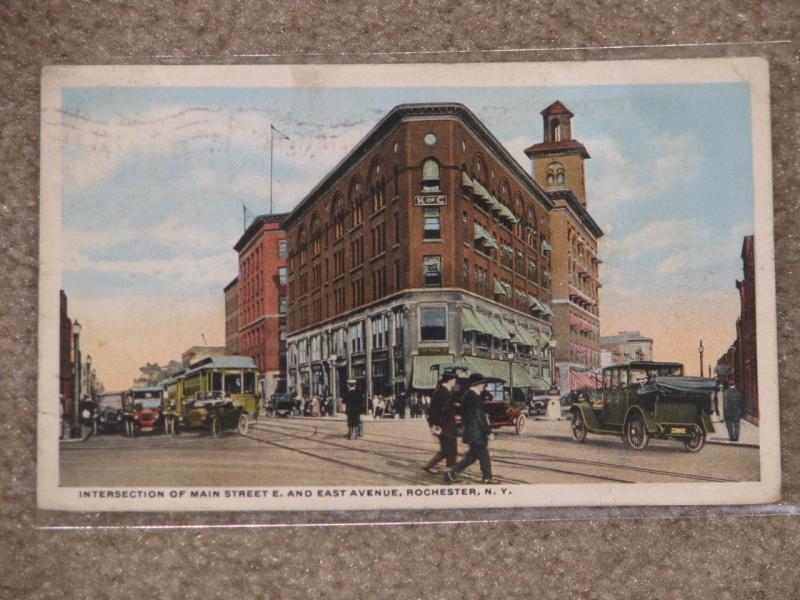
[154, 181]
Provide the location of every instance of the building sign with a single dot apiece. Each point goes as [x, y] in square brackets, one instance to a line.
[438, 200]
[433, 350]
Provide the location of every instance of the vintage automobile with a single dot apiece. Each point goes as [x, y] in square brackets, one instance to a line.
[501, 414]
[110, 415]
[283, 405]
[209, 411]
[142, 409]
[643, 400]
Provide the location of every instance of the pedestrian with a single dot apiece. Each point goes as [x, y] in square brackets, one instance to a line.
[477, 432]
[413, 401]
[442, 421]
[400, 405]
[733, 407]
[378, 411]
[353, 402]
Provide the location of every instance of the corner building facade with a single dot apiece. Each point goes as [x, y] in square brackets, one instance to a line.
[557, 165]
[427, 244]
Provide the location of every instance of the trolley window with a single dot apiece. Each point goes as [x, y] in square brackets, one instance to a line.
[249, 383]
[233, 383]
[216, 382]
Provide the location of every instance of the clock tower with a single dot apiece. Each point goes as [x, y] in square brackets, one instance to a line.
[559, 169]
[558, 161]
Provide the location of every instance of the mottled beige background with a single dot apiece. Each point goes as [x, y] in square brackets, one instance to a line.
[563, 553]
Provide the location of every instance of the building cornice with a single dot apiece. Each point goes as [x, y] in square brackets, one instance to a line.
[578, 210]
[407, 112]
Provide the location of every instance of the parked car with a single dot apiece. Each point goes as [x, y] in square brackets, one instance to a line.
[208, 411]
[537, 405]
[143, 409]
[643, 400]
[503, 414]
[110, 416]
[88, 413]
[284, 405]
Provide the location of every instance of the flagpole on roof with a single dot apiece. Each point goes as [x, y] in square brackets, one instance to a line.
[272, 130]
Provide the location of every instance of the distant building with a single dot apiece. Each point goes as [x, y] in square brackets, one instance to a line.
[232, 317]
[262, 298]
[558, 167]
[625, 347]
[196, 353]
[66, 366]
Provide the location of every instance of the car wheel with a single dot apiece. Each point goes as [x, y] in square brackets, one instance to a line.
[578, 427]
[520, 424]
[697, 441]
[636, 432]
[244, 424]
[216, 426]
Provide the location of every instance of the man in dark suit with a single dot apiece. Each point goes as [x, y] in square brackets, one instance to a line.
[353, 407]
[733, 407]
[477, 432]
[441, 419]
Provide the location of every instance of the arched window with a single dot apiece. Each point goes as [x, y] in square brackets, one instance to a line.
[430, 176]
[555, 174]
[337, 216]
[356, 203]
[301, 245]
[315, 234]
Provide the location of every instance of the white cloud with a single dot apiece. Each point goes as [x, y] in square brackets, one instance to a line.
[617, 178]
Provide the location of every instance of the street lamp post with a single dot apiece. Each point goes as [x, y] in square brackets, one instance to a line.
[75, 428]
[89, 386]
[700, 350]
[332, 382]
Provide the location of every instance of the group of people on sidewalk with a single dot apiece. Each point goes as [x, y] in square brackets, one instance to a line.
[477, 429]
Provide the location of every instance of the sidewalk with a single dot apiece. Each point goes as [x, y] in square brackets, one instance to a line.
[748, 434]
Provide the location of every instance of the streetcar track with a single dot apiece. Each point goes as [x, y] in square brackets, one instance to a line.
[503, 479]
[502, 456]
[395, 457]
[330, 459]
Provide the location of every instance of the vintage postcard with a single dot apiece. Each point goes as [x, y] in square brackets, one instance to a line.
[314, 287]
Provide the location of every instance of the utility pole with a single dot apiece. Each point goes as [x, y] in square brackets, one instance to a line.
[700, 350]
[282, 135]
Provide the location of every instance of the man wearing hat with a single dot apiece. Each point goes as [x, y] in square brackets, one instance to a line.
[353, 405]
[442, 421]
[477, 430]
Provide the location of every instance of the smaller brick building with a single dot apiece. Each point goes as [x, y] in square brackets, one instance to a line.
[232, 317]
[261, 302]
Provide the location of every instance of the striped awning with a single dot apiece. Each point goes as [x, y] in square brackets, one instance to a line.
[422, 376]
[470, 322]
[500, 288]
[580, 380]
[483, 193]
[524, 336]
[466, 180]
[481, 233]
[487, 367]
[524, 378]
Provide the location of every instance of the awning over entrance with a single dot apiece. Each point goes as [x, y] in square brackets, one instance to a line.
[469, 322]
[422, 377]
[523, 378]
[498, 368]
[579, 380]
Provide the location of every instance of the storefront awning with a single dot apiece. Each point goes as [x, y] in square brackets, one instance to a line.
[523, 378]
[469, 322]
[524, 336]
[422, 376]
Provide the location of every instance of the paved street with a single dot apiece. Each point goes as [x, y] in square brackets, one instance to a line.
[307, 451]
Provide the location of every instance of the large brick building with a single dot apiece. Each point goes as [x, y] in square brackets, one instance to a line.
[558, 167]
[746, 372]
[261, 301]
[739, 365]
[426, 244]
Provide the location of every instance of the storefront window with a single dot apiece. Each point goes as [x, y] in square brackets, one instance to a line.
[433, 324]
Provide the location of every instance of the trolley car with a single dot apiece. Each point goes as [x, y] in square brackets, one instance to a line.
[216, 393]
